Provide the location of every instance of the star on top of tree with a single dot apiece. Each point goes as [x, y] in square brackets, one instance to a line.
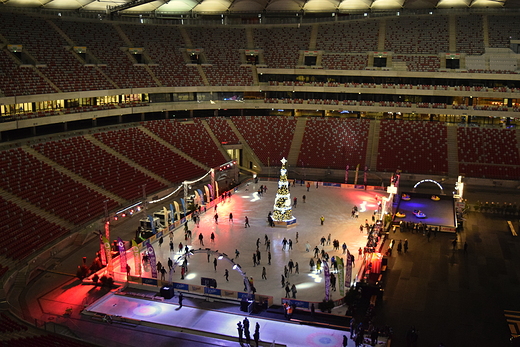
[283, 161]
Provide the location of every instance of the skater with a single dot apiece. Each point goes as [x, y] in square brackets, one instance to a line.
[171, 245]
[226, 275]
[216, 217]
[240, 333]
[296, 268]
[256, 335]
[161, 240]
[297, 237]
[264, 273]
[322, 219]
[294, 291]
[303, 198]
[246, 331]
[247, 223]
[269, 258]
[180, 299]
[230, 217]
[215, 264]
[295, 202]
[237, 253]
[212, 237]
[283, 281]
[307, 247]
[405, 246]
[201, 239]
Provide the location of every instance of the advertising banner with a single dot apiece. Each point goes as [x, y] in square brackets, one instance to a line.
[341, 275]
[151, 258]
[326, 275]
[348, 270]
[108, 252]
[122, 254]
[137, 258]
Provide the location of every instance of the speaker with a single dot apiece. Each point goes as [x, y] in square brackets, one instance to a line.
[167, 292]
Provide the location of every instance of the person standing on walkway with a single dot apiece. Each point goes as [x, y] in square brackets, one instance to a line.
[256, 335]
[226, 275]
[294, 291]
[247, 223]
[264, 273]
[180, 299]
[240, 333]
[246, 330]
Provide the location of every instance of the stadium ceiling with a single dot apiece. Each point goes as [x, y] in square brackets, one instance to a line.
[257, 6]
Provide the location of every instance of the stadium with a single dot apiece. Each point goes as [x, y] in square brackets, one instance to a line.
[105, 105]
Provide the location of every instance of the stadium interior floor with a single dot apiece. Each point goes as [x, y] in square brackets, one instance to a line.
[450, 296]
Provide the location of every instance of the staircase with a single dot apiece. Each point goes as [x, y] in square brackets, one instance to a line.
[314, 37]
[203, 75]
[215, 140]
[245, 146]
[296, 143]
[173, 149]
[72, 175]
[453, 33]
[250, 38]
[453, 157]
[373, 145]
[126, 160]
[382, 35]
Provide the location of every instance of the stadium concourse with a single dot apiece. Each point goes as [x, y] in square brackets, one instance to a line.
[334, 203]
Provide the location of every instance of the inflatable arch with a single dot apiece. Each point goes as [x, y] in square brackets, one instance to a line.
[432, 181]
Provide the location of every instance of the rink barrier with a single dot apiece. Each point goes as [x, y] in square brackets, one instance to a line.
[146, 283]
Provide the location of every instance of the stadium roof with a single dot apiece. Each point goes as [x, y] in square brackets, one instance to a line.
[244, 6]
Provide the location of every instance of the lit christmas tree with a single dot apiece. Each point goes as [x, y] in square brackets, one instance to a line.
[282, 202]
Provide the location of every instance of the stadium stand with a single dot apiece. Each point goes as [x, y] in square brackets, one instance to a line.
[162, 44]
[222, 49]
[49, 189]
[282, 45]
[190, 137]
[419, 147]
[501, 30]
[104, 42]
[470, 34]
[96, 165]
[269, 137]
[418, 35]
[344, 37]
[334, 143]
[150, 154]
[222, 130]
[488, 153]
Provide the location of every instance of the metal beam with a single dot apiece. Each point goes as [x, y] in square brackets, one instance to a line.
[128, 5]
